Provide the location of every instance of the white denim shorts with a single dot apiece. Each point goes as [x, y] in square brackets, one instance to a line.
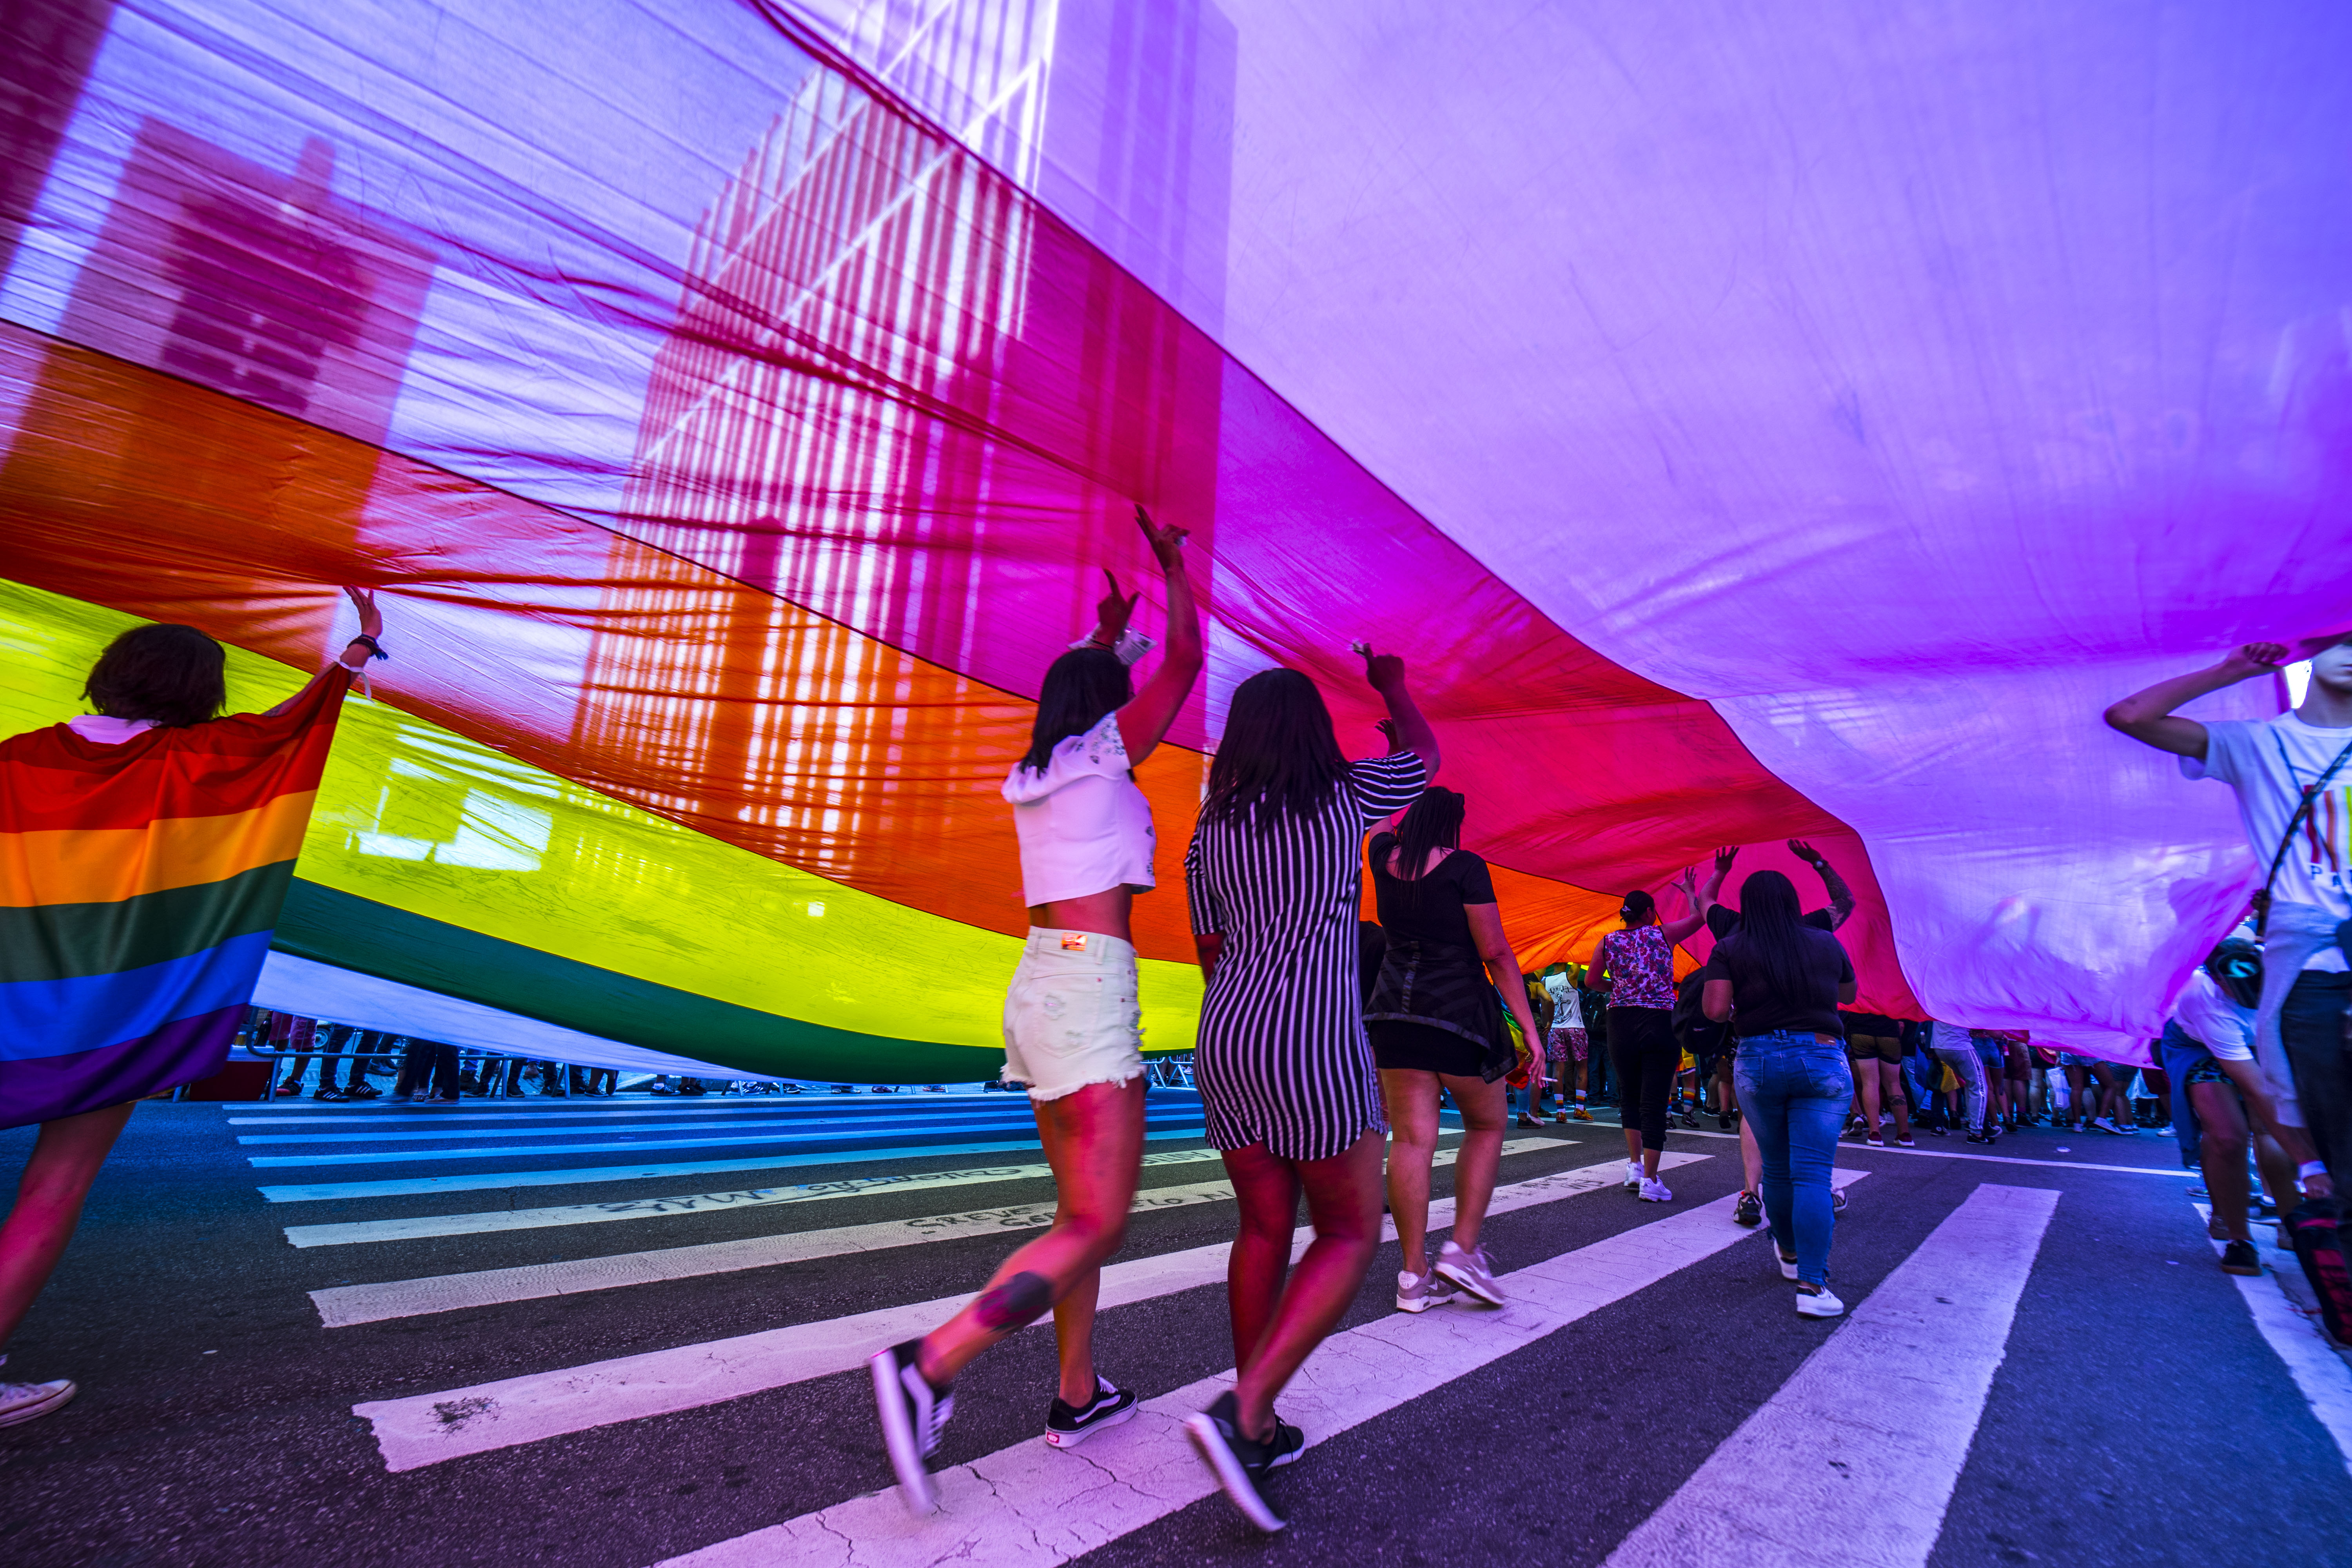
[1071, 1015]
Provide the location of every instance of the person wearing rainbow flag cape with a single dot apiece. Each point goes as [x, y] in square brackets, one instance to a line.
[145, 852]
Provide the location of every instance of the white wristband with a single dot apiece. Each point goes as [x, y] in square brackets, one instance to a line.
[1130, 646]
[2309, 1169]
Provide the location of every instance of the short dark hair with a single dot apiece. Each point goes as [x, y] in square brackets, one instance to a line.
[1279, 758]
[1637, 908]
[1081, 686]
[172, 674]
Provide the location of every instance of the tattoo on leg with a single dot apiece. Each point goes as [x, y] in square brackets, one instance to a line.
[1018, 1302]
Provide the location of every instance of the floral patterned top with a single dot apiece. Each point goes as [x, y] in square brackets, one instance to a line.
[1642, 962]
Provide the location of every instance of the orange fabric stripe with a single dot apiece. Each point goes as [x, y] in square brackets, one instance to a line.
[107, 864]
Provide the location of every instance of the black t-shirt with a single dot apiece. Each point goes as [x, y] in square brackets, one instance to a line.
[1371, 948]
[1721, 922]
[1757, 1010]
[1429, 910]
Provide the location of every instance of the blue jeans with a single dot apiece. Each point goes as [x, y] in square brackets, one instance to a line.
[1794, 1089]
[2176, 1053]
[1969, 1069]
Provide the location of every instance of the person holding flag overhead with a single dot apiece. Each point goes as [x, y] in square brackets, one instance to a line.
[145, 851]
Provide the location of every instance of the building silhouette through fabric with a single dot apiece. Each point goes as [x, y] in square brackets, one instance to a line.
[1743, 431]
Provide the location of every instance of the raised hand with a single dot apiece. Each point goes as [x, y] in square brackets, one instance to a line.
[1381, 671]
[2253, 659]
[370, 619]
[1804, 851]
[1723, 859]
[1387, 727]
[1167, 540]
[1111, 615]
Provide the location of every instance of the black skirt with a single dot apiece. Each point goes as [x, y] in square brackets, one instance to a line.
[1439, 991]
[1417, 1048]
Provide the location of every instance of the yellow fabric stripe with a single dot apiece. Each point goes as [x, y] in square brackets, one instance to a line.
[107, 864]
[415, 816]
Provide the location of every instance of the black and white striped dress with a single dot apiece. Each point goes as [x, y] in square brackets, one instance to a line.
[1282, 1060]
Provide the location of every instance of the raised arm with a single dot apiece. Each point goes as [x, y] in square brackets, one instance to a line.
[356, 652]
[1385, 672]
[2148, 717]
[1841, 896]
[1711, 893]
[1503, 967]
[1144, 720]
[1687, 886]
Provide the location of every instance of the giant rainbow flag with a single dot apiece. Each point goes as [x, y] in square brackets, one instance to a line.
[1747, 422]
[140, 884]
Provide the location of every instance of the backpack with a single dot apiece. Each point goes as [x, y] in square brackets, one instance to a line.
[2315, 1228]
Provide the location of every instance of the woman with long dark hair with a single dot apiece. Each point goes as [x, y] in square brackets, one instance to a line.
[1073, 1025]
[1285, 1071]
[1780, 982]
[1436, 1021]
[1635, 967]
[145, 851]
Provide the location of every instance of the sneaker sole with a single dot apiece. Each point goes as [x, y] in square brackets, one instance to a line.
[1226, 1466]
[1487, 1293]
[919, 1495]
[1078, 1434]
[33, 1412]
[1423, 1304]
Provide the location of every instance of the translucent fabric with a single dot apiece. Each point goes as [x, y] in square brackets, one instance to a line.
[1744, 431]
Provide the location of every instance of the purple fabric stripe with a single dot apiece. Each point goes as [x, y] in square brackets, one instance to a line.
[181, 1051]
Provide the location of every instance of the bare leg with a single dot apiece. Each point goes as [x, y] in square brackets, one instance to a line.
[1411, 1096]
[2280, 1148]
[1343, 1199]
[1073, 1338]
[1094, 1141]
[1891, 1095]
[1266, 1191]
[1865, 1088]
[1484, 1113]
[65, 1160]
[1751, 1159]
[2223, 1154]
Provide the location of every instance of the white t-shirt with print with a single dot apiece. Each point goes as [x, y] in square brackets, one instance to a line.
[2207, 1015]
[1084, 827]
[1567, 1007]
[2268, 763]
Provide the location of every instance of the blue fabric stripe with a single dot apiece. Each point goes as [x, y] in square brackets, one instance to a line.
[40, 1018]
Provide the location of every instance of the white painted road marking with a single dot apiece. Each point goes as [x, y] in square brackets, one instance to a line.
[1029, 1506]
[497, 1181]
[1851, 1148]
[343, 1305]
[880, 1127]
[428, 1428]
[622, 1144]
[2320, 1374]
[1853, 1462]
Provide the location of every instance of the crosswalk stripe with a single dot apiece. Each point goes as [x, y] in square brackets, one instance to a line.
[2320, 1374]
[944, 1105]
[428, 1428]
[870, 1127]
[498, 1181]
[1852, 1463]
[1853, 1148]
[418, 1227]
[340, 1306]
[1030, 1506]
[502, 1152]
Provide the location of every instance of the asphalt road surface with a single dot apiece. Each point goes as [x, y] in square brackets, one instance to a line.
[616, 1334]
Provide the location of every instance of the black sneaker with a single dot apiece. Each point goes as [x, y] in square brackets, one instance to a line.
[1723, 1122]
[1288, 1443]
[1238, 1464]
[2240, 1257]
[1982, 1138]
[1749, 1210]
[913, 1414]
[1066, 1425]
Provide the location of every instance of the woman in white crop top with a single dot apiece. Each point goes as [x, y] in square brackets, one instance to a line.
[1073, 1028]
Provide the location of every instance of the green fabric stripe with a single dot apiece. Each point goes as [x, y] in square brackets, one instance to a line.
[352, 932]
[73, 941]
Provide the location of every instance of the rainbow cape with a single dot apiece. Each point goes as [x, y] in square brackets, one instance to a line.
[138, 887]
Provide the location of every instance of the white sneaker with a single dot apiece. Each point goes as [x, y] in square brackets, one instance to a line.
[23, 1401]
[1633, 1177]
[1420, 1292]
[1657, 1193]
[1788, 1265]
[1471, 1272]
[1818, 1304]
